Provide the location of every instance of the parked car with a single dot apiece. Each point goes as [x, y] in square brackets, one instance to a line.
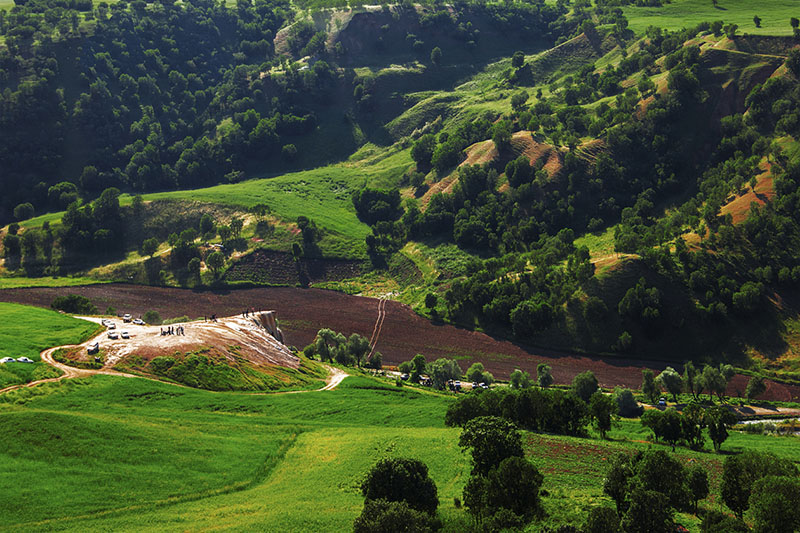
[125, 335]
[127, 317]
[112, 326]
[113, 335]
[24, 360]
[662, 402]
[138, 321]
[404, 377]
[93, 348]
[8, 360]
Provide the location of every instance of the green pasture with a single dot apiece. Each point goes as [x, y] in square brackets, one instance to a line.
[47, 281]
[774, 14]
[26, 331]
[116, 454]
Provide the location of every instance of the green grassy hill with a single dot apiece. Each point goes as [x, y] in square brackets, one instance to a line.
[162, 457]
[678, 14]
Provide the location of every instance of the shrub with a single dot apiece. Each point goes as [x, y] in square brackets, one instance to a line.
[75, 304]
[152, 317]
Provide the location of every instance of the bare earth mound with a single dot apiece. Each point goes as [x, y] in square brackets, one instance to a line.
[252, 342]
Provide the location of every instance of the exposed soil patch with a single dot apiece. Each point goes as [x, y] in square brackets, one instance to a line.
[302, 312]
[764, 192]
[264, 266]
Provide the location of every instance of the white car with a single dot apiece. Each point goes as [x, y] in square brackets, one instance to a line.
[8, 360]
[127, 317]
[111, 326]
[138, 322]
[125, 335]
[24, 360]
[113, 335]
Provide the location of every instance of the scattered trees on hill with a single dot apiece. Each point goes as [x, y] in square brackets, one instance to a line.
[741, 472]
[332, 346]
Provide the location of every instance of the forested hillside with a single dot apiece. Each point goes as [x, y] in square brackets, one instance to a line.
[537, 170]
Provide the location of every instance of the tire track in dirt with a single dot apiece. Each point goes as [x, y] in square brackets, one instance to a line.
[376, 331]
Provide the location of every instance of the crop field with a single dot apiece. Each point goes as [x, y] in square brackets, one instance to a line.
[303, 312]
[774, 14]
[26, 331]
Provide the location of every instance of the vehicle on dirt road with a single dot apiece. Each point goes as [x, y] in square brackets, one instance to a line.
[138, 322]
[125, 335]
[113, 335]
[127, 317]
[111, 326]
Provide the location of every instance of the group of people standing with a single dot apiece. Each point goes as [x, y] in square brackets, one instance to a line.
[173, 330]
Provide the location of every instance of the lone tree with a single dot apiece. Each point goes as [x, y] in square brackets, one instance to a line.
[757, 21]
[602, 407]
[698, 485]
[755, 387]
[215, 262]
[649, 388]
[518, 59]
[436, 56]
[719, 419]
[670, 380]
[584, 385]
[543, 376]
[149, 247]
[402, 480]
[490, 440]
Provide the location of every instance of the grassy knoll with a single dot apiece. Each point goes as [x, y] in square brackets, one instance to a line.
[220, 457]
[26, 331]
[678, 14]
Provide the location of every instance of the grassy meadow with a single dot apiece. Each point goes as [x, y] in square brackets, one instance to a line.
[774, 14]
[26, 331]
[47, 281]
[120, 454]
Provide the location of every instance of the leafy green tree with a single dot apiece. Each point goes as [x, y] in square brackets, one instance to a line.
[436, 56]
[401, 480]
[519, 379]
[194, 267]
[478, 374]
[774, 504]
[518, 100]
[584, 385]
[601, 519]
[602, 408]
[755, 387]
[518, 59]
[627, 406]
[718, 522]
[649, 388]
[670, 380]
[757, 21]
[207, 224]
[74, 304]
[689, 378]
[423, 149]
[23, 211]
[382, 516]
[358, 347]
[514, 485]
[418, 367]
[719, 419]
[501, 135]
[236, 226]
[740, 472]
[617, 481]
[698, 484]
[152, 317]
[543, 376]
[442, 370]
[490, 440]
[671, 427]
[648, 512]
[149, 247]
[215, 261]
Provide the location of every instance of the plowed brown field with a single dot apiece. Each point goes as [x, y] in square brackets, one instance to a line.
[302, 312]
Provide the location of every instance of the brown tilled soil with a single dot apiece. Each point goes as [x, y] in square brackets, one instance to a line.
[302, 312]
